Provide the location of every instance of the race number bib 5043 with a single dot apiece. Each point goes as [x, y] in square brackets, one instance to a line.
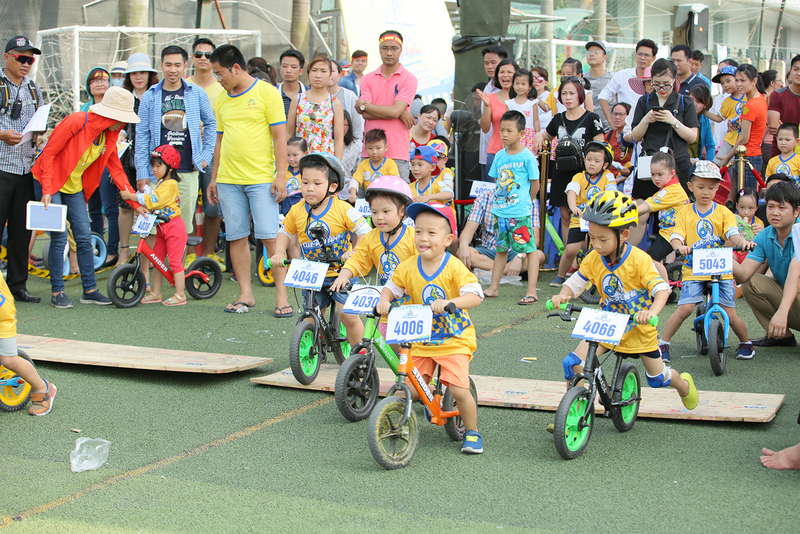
[409, 324]
[708, 261]
[362, 300]
[600, 325]
[304, 274]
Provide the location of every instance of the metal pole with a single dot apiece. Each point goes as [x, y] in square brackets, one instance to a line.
[547, 34]
[640, 21]
[741, 151]
[76, 71]
[602, 15]
[545, 162]
[777, 32]
[528, 46]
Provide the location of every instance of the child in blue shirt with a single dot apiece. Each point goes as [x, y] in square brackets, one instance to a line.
[516, 173]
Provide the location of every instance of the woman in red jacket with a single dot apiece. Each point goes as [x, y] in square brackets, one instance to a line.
[69, 170]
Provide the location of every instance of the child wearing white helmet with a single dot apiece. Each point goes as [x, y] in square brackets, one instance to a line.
[390, 242]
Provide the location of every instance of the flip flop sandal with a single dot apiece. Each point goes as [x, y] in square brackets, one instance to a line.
[150, 299]
[174, 302]
[278, 311]
[527, 300]
[244, 307]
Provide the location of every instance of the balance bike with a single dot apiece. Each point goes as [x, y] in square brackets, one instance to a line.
[14, 391]
[574, 419]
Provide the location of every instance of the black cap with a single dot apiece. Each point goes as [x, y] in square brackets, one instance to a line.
[21, 43]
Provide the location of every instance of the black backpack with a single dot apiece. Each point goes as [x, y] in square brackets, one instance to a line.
[569, 156]
[5, 97]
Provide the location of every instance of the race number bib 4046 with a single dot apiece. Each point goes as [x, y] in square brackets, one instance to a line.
[600, 325]
[409, 324]
[304, 274]
[709, 261]
[362, 300]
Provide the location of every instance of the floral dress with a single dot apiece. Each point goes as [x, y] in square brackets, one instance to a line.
[315, 124]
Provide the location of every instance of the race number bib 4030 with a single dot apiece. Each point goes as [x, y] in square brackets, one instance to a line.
[362, 300]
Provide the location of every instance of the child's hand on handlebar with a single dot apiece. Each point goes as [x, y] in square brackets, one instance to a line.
[438, 305]
[643, 316]
[383, 307]
[748, 245]
[684, 250]
[576, 212]
[278, 258]
[339, 283]
[346, 255]
[560, 299]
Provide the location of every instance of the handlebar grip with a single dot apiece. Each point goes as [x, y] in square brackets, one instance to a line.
[549, 306]
[451, 308]
[268, 262]
[654, 321]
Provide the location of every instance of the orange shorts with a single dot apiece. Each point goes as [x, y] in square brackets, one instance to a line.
[455, 368]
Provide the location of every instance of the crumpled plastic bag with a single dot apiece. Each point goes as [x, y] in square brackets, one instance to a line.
[89, 454]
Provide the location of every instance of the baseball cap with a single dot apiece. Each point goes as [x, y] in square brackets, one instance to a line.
[602, 44]
[426, 153]
[445, 211]
[727, 69]
[439, 146]
[21, 44]
[706, 169]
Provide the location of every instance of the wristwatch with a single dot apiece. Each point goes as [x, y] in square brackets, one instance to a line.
[521, 256]
[676, 125]
[363, 107]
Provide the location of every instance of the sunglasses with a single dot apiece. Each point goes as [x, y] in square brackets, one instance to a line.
[538, 79]
[25, 60]
[570, 79]
[199, 54]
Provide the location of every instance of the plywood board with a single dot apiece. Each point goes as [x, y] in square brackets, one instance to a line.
[107, 355]
[545, 395]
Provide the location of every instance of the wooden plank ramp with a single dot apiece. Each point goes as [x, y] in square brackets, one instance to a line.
[50, 349]
[545, 395]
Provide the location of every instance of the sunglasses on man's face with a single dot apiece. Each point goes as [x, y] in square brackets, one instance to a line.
[200, 54]
[25, 60]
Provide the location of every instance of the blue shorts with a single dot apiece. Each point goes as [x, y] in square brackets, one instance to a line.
[238, 202]
[491, 253]
[692, 292]
[324, 298]
[209, 209]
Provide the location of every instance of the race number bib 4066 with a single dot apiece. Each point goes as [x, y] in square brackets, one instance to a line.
[600, 325]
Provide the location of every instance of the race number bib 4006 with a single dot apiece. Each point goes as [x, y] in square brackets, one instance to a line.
[600, 325]
[409, 324]
[304, 274]
[709, 261]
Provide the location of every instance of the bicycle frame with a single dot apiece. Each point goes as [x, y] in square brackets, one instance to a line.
[374, 339]
[593, 373]
[713, 308]
[144, 248]
[431, 399]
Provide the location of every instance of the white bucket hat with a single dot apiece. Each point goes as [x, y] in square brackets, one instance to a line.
[139, 62]
[117, 104]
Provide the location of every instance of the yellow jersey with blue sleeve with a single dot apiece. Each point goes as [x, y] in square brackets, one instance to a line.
[8, 311]
[372, 251]
[703, 230]
[450, 333]
[441, 184]
[587, 187]
[366, 171]
[789, 166]
[338, 221]
[731, 109]
[292, 181]
[164, 200]
[626, 287]
[667, 202]
[74, 183]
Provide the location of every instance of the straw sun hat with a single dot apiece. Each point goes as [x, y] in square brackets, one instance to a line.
[117, 104]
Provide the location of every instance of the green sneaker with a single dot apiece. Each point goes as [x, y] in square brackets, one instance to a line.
[691, 400]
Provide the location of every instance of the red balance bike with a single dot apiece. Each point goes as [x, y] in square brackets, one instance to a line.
[126, 285]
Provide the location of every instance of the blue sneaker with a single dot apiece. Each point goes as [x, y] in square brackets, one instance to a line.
[61, 301]
[557, 281]
[664, 350]
[473, 443]
[95, 297]
[745, 351]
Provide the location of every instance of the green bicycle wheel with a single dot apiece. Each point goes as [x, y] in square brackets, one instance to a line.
[627, 386]
[570, 436]
[303, 356]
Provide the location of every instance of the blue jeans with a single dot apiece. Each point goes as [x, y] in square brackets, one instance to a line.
[79, 223]
[486, 168]
[104, 201]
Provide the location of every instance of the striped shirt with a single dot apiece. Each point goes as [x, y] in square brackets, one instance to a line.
[18, 159]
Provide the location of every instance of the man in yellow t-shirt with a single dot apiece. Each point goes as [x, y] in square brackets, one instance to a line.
[203, 77]
[251, 144]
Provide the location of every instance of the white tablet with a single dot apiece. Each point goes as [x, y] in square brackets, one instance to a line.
[52, 219]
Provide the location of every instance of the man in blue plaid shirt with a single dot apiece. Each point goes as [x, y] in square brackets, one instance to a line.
[16, 158]
[482, 256]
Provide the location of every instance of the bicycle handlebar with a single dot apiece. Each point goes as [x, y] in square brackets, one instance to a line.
[268, 262]
[450, 308]
[569, 308]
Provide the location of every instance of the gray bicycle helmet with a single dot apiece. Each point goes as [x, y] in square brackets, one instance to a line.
[329, 160]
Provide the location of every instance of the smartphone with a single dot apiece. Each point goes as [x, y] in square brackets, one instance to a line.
[657, 108]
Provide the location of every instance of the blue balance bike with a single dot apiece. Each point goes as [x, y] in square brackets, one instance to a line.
[712, 325]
